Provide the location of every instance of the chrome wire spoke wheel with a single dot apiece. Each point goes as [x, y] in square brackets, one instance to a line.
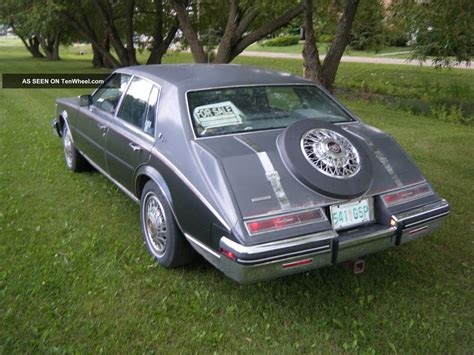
[68, 148]
[155, 224]
[330, 153]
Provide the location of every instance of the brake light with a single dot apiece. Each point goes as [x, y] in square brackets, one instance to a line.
[283, 221]
[407, 195]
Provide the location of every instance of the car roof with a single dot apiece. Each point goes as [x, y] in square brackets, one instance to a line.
[202, 76]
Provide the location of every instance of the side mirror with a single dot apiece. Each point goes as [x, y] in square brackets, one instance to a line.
[85, 100]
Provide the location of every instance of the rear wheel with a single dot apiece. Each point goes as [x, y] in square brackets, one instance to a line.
[74, 160]
[162, 236]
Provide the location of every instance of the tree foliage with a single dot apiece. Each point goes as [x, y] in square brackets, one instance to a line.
[368, 29]
[37, 24]
[438, 28]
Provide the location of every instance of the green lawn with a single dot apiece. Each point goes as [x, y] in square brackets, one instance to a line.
[75, 276]
[389, 52]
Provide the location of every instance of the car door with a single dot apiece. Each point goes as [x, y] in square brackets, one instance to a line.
[93, 121]
[131, 135]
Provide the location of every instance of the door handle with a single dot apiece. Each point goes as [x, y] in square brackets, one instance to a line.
[102, 127]
[135, 147]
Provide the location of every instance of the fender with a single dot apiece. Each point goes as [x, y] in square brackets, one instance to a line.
[153, 174]
[62, 120]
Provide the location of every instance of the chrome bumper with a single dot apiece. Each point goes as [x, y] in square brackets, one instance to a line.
[248, 264]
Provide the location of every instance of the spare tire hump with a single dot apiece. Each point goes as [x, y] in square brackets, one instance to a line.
[336, 181]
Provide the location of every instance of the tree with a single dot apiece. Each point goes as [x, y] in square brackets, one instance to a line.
[325, 73]
[113, 25]
[441, 29]
[36, 24]
[368, 30]
[243, 24]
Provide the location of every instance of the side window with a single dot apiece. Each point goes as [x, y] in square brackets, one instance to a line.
[135, 102]
[150, 115]
[108, 95]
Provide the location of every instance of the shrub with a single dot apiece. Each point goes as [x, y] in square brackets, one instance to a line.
[325, 38]
[282, 41]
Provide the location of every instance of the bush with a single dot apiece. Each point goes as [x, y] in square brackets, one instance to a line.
[282, 41]
[326, 38]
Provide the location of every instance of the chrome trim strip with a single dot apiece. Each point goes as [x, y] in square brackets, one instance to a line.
[367, 237]
[277, 245]
[427, 219]
[272, 175]
[201, 245]
[380, 157]
[288, 211]
[301, 253]
[170, 165]
[120, 186]
[416, 197]
[420, 211]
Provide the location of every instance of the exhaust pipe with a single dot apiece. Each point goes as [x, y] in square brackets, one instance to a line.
[356, 266]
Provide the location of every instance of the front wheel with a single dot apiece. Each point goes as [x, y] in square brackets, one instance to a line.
[74, 160]
[162, 236]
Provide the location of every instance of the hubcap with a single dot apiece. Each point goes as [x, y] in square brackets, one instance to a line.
[330, 153]
[155, 224]
[68, 147]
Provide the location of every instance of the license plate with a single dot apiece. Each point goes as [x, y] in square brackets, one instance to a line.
[351, 214]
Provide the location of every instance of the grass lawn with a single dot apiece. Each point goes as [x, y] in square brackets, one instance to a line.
[389, 52]
[75, 277]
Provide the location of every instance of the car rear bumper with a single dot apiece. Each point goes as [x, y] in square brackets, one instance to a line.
[248, 264]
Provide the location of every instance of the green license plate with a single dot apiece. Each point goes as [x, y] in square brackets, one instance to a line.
[351, 214]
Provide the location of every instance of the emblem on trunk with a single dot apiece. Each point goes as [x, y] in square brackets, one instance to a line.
[330, 153]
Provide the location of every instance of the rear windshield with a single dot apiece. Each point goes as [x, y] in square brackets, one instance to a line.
[242, 109]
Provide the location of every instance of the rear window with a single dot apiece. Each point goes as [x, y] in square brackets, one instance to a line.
[241, 109]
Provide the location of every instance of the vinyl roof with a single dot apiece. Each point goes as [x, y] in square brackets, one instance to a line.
[200, 76]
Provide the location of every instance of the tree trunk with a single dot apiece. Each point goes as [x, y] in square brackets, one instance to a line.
[32, 45]
[55, 47]
[338, 45]
[97, 59]
[85, 29]
[160, 44]
[105, 12]
[325, 74]
[47, 46]
[159, 48]
[132, 58]
[264, 30]
[311, 64]
[195, 44]
[234, 40]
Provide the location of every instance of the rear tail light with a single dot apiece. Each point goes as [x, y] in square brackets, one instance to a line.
[283, 221]
[406, 195]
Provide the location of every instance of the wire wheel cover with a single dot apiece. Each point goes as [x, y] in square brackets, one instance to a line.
[330, 153]
[155, 224]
